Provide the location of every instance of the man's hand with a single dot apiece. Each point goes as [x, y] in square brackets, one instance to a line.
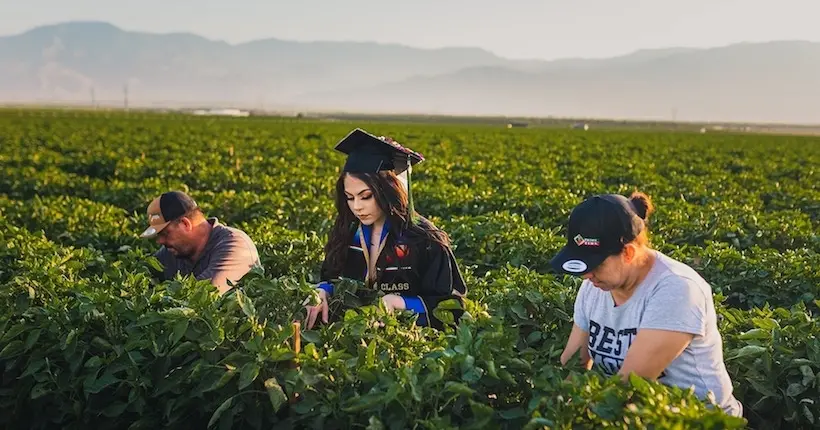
[314, 311]
[393, 302]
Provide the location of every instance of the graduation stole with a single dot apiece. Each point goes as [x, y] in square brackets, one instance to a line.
[370, 275]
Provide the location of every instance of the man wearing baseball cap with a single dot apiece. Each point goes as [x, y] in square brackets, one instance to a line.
[639, 310]
[195, 245]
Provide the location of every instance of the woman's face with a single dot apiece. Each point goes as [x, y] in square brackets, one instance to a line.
[609, 275]
[361, 201]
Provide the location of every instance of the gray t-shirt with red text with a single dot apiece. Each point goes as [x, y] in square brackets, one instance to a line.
[671, 297]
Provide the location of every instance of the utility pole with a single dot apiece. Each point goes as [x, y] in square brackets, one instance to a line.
[260, 103]
[125, 95]
[93, 99]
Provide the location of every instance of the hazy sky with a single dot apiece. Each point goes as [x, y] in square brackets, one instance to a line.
[510, 28]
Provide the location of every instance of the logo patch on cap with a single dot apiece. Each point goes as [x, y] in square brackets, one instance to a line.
[574, 266]
[586, 241]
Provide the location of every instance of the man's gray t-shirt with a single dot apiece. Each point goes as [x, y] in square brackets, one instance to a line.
[229, 254]
[671, 297]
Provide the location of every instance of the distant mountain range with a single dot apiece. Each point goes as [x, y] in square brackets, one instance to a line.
[83, 61]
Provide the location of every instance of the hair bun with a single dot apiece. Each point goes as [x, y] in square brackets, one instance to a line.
[642, 204]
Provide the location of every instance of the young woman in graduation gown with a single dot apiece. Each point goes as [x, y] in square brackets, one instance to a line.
[379, 239]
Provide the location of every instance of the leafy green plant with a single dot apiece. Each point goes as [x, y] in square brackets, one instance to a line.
[90, 340]
[773, 356]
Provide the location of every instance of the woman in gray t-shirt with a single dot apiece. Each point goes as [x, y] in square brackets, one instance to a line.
[638, 310]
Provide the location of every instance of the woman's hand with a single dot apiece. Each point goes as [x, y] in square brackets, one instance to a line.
[393, 302]
[314, 311]
[578, 340]
[566, 355]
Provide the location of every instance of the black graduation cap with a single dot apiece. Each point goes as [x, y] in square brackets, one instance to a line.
[367, 153]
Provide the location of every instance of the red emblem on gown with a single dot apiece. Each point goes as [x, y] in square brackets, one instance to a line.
[401, 251]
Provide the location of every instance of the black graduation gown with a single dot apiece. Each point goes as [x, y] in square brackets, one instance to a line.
[411, 266]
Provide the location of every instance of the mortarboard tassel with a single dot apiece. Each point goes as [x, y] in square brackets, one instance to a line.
[410, 206]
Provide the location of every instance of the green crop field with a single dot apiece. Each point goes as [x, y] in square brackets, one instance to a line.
[89, 340]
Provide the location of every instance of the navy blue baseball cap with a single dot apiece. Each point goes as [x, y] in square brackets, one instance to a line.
[598, 227]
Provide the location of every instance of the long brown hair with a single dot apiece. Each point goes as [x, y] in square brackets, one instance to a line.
[392, 198]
